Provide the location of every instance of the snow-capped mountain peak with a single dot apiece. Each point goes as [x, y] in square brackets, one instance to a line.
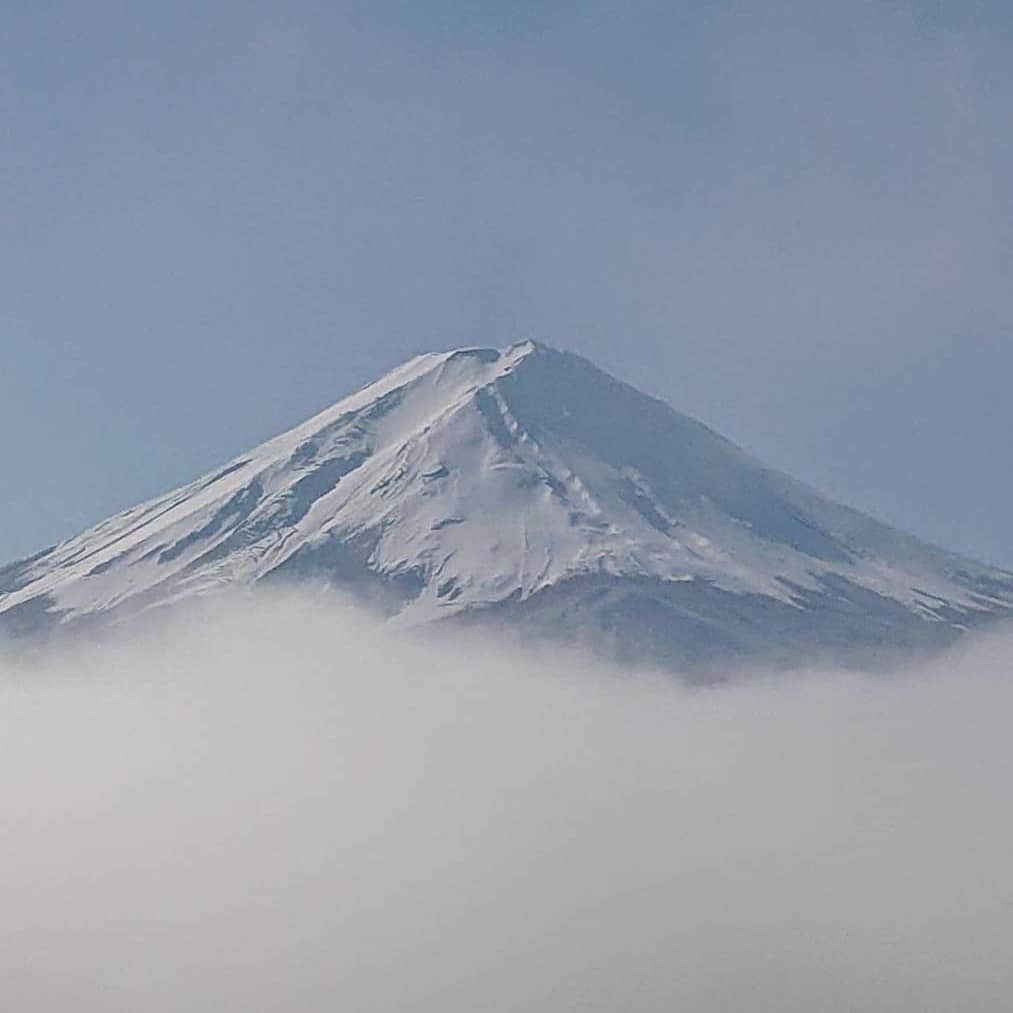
[522, 483]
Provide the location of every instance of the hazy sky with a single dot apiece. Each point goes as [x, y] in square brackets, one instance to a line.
[790, 219]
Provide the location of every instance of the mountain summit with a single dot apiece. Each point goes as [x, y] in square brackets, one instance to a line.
[524, 487]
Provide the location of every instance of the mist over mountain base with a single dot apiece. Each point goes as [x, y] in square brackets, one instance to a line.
[272, 803]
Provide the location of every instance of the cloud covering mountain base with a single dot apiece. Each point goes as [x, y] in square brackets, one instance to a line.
[271, 804]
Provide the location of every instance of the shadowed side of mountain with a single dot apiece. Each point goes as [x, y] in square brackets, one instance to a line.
[705, 632]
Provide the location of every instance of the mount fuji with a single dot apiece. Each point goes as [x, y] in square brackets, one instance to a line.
[524, 489]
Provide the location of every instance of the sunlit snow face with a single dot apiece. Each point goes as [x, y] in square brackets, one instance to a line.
[268, 804]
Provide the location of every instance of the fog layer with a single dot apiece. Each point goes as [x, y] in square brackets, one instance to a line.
[272, 805]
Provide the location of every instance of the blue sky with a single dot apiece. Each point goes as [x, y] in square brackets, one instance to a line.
[790, 220]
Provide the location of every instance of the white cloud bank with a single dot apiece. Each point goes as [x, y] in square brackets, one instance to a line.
[274, 807]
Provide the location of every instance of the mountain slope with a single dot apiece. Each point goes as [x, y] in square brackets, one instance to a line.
[525, 486]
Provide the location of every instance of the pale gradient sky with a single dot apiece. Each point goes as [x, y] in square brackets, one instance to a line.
[789, 219]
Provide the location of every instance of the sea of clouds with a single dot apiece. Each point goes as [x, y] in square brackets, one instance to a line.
[271, 804]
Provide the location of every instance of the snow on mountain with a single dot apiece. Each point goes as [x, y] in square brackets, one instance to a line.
[525, 486]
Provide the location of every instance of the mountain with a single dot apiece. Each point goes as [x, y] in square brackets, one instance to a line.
[526, 489]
